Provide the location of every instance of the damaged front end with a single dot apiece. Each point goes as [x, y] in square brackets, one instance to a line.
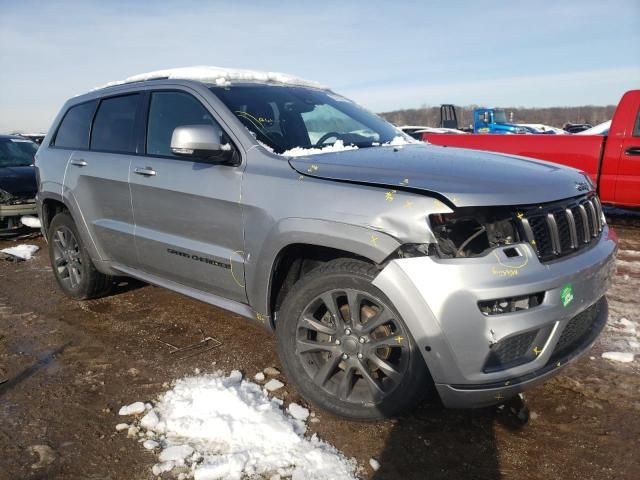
[12, 209]
[472, 232]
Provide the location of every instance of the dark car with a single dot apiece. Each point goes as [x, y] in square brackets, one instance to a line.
[17, 182]
[576, 127]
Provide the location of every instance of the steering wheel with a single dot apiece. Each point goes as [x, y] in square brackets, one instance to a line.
[326, 137]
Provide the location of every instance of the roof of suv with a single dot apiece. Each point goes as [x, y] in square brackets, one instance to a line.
[217, 76]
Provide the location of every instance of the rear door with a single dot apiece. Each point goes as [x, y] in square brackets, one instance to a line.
[188, 213]
[96, 179]
[628, 178]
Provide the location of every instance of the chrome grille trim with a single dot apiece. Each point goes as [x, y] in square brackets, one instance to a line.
[572, 228]
[560, 228]
[594, 219]
[598, 205]
[585, 224]
[553, 230]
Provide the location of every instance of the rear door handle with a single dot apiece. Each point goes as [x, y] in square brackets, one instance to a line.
[632, 151]
[79, 162]
[146, 171]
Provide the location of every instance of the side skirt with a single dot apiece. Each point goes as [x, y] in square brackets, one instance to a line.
[210, 298]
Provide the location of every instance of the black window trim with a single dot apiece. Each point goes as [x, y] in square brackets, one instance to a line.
[52, 143]
[636, 129]
[145, 124]
[140, 126]
[135, 122]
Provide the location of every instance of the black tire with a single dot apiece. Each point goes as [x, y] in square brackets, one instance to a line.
[397, 377]
[70, 261]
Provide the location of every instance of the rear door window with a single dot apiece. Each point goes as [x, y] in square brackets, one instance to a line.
[74, 128]
[114, 125]
[169, 110]
[636, 131]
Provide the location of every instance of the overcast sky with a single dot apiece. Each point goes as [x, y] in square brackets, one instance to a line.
[386, 55]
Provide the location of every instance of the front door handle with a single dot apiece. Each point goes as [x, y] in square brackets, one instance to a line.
[146, 171]
[79, 162]
[632, 151]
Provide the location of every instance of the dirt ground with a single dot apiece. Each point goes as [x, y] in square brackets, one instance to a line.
[66, 367]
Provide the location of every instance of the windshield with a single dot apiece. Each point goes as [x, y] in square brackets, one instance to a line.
[287, 117]
[499, 116]
[15, 152]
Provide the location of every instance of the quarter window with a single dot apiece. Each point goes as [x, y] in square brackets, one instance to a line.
[114, 125]
[169, 110]
[74, 128]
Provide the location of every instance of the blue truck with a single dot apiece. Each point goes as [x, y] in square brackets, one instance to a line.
[485, 120]
[494, 120]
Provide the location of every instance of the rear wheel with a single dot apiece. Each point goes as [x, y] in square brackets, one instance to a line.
[346, 347]
[70, 261]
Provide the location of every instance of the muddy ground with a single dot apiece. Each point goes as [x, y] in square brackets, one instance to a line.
[66, 367]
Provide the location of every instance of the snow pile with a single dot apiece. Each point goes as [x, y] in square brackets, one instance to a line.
[400, 140]
[23, 252]
[624, 357]
[224, 427]
[338, 146]
[219, 76]
[30, 221]
[624, 338]
[133, 409]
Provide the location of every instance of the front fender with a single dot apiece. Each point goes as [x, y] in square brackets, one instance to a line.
[365, 242]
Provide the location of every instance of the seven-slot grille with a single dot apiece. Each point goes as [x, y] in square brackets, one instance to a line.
[562, 228]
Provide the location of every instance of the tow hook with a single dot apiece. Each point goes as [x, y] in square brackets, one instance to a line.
[516, 408]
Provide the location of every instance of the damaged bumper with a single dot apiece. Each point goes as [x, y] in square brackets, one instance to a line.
[479, 354]
[10, 216]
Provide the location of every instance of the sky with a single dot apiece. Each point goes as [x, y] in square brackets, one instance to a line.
[385, 55]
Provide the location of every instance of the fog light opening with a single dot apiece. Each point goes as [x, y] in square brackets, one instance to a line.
[510, 304]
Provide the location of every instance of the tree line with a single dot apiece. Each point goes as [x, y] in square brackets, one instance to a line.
[553, 116]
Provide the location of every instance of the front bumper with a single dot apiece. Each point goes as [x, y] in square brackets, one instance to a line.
[438, 300]
[10, 217]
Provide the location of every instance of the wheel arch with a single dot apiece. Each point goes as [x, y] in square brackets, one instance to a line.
[311, 240]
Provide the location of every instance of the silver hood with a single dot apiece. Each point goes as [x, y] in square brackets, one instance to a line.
[464, 177]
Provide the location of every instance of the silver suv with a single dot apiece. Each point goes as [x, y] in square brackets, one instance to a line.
[388, 269]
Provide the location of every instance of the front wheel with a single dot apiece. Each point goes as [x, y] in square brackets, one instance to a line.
[345, 346]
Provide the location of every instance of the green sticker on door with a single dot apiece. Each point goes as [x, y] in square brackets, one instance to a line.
[566, 295]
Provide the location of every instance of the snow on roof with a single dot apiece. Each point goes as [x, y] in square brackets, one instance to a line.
[218, 76]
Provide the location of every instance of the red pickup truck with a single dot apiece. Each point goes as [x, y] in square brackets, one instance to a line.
[612, 161]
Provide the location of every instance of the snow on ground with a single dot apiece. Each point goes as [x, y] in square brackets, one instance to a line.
[219, 76]
[624, 357]
[620, 340]
[223, 427]
[30, 221]
[23, 252]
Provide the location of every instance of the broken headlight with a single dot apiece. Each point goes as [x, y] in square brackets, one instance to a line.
[471, 232]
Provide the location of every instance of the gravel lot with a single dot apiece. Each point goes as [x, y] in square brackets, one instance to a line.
[67, 367]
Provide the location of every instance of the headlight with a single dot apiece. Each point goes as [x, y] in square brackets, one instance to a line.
[471, 232]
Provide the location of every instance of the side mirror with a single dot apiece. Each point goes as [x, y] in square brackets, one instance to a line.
[485, 117]
[200, 141]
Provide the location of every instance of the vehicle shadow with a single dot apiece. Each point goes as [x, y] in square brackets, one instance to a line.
[126, 284]
[438, 443]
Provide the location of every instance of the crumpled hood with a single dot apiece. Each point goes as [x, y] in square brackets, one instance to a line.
[19, 181]
[464, 177]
